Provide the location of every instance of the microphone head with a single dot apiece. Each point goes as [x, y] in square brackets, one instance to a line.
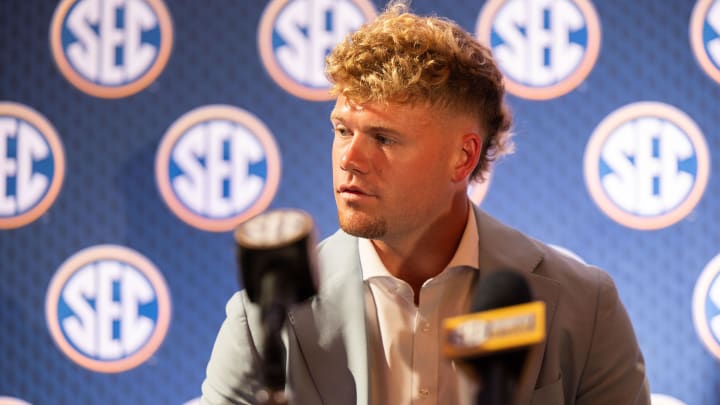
[277, 246]
[492, 342]
[502, 288]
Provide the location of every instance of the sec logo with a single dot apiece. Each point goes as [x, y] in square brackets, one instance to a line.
[32, 165]
[111, 48]
[217, 166]
[545, 48]
[647, 165]
[295, 36]
[705, 36]
[108, 308]
[706, 306]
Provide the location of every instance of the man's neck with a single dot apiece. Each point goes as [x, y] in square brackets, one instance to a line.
[424, 255]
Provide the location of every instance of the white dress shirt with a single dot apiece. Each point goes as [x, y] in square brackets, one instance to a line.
[407, 365]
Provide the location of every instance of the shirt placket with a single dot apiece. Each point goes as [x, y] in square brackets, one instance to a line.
[425, 347]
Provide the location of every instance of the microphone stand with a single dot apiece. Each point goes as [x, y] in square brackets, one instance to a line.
[494, 390]
[498, 384]
[277, 297]
[275, 256]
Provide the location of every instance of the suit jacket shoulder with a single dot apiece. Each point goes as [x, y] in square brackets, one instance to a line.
[590, 354]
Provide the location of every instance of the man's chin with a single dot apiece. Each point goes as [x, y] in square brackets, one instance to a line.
[363, 227]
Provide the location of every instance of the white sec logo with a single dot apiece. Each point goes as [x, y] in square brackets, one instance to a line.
[545, 48]
[647, 165]
[295, 36]
[217, 166]
[706, 306]
[108, 308]
[705, 36]
[32, 165]
[111, 48]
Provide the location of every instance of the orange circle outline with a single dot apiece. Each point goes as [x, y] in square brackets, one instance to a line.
[267, 56]
[93, 89]
[235, 115]
[140, 263]
[615, 120]
[483, 30]
[697, 21]
[702, 287]
[44, 126]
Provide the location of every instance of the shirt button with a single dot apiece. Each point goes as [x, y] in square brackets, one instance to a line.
[424, 392]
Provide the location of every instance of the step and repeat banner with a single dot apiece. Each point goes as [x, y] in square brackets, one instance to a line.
[136, 134]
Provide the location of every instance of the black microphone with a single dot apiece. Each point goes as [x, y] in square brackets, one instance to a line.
[276, 258]
[492, 342]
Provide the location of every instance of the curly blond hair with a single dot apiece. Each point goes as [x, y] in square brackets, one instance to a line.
[401, 57]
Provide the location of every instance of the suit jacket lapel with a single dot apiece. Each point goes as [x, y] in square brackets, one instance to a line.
[503, 248]
[331, 331]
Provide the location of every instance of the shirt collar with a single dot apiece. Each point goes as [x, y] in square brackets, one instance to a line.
[370, 262]
[466, 255]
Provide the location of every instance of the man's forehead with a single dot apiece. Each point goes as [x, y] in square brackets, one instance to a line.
[349, 104]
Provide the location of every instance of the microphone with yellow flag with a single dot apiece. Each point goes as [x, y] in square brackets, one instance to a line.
[493, 340]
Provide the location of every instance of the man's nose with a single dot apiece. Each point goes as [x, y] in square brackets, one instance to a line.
[354, 157]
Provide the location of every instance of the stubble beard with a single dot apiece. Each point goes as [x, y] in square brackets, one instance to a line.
[362, 226]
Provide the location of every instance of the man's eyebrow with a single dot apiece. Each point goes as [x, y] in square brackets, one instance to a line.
[383, 129]
[371, 128]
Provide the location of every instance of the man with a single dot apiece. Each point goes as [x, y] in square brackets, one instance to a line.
[419, 114]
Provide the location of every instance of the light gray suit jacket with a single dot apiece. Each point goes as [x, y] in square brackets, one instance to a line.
[590, 357]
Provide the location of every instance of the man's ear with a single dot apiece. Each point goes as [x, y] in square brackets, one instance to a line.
[468, 156]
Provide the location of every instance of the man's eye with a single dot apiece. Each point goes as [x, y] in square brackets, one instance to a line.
[341, 131]
[383, 140]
